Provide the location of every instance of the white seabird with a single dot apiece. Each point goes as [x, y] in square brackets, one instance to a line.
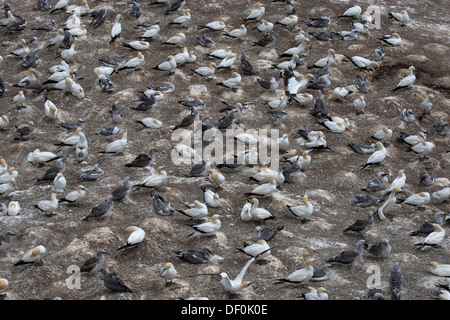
[407, 81]
[197, 210]
[207, 228]
[135, 238]
[168, 272]
[389, 204]
[34, 255]
[75, 196]
[256, 14]
[48, 206]
[259, 213]
[300, 276]
[385, 134]
[117, 145]
[377, 157]
[302, 211]
[256, 249]
[434, 239]
[116, 30]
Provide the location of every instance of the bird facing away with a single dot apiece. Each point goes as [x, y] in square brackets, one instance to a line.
[396, 281]
[112, 282]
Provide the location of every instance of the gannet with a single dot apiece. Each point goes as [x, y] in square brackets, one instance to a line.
[434, 239]
[195, 256]
[302, 211]
[300, 276]
[265, 26]
[352, 12]
[197, 210]
[38, 156]
[377, 157]
[14, 208]
[75, 196]
[396, 281]
[214, 25]
[265, 189]
[427, 227]
[32, 256]
[255, 14]
[92, 174]
[326, 61]
[407, 81]
[117, 145]
[288, 21]
[402, 17]
[59, 183]
[259, 213]
[362, 226]
[418, 199]
[94, 264]
[135, 238]
[175, 6]
[363, 63]
[139, 45]
[168, 272]
[112, 282]
[392, 39]
[385, 134]
[101, 209]
[359, 104]
[238, 33]
[161, 206]
[348, 257]
[380, 248]
[176, 40]
[169, 65]
[207, 228]
[316, 294]
[231, 82]
[134, 63]
[441, 195]
[389, 204]
[423, 148]
[6, 240]
[399, 181]
[256, 249]
[211, 198]
[440, 270]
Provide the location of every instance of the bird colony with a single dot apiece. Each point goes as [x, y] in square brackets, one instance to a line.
[353, 204]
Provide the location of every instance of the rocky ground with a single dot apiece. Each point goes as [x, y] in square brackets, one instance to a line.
[330, 183]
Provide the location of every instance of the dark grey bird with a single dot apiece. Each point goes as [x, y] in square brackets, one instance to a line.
[176, 6]
[362, 148]
[112, 282]
[287, 171]
[349, 256]
[378, 183]
[407, 115]
[109, 131]
[375, 294]
[47, 27]
[93, 174]
[442, 128]
[43, 5]
[324, 36]
[95, 263]
[98, 17]
[52, 172]
[427, 227]
[246, 66]
[196, 104]
[205, 41]
[320, 79]
[348, 35]
[195, 256]
[361, 226]
[166, 87]
[322, 274]
[2, 84]
[161, 206]
[121, 192]
[319, 109]
[379, 249]
[363, 201]
[278, 117]
[362, 84]
[135, 9]
[158, 2]
[6, 240]
[378, 54]
[72, 126]
[267, 233]
[142, 160]
[267, 39]
[113, 62]
[427, 178]
[25, 131]
[3, 209]
[271, 83]
[147, 103]
[101, 209]
[105, 84]
[188, 120]
[30, 60]
[319, 22]
[396, 282]
[199, 169]
[68, 40]
[18, 26]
